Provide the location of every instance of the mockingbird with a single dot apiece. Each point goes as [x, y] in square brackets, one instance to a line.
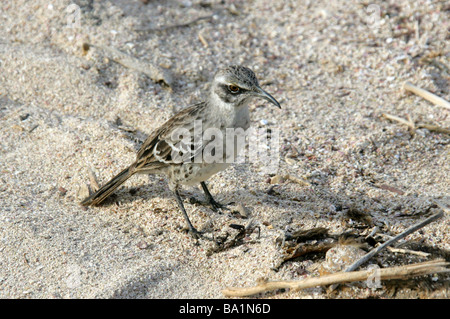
[178, 151]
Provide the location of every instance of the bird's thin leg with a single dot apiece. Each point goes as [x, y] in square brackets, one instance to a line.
[211, 201]
[194, 232]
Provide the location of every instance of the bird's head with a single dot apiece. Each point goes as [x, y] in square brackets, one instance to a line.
[237, 85]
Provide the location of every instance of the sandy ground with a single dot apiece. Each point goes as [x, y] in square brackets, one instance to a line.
[67, 110]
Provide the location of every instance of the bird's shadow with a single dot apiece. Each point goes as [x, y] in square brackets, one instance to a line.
[287, 197]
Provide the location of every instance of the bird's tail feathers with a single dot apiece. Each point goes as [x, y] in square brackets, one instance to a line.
[106, 190]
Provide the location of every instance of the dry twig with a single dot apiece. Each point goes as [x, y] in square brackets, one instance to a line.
[408, 251]
[350, 275]
[426, 95]
[412, 126]
[434, 128]
[202, 39]
[399, 272]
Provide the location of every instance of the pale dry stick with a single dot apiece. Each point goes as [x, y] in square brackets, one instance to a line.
[410, 124]
[434, 128]
[426, 95]
[408, 251]
[202, 39]
[398, 272]
[410, 119]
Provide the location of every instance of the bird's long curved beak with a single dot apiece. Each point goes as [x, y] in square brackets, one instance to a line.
[266, 96]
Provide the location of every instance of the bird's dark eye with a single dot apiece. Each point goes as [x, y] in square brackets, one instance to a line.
[233, 88]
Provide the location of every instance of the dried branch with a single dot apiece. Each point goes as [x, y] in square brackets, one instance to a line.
[434, 128]
[202, 39]
[426, 95]
[399, 272]
[350, 275]
[410, 124]
[408, 251]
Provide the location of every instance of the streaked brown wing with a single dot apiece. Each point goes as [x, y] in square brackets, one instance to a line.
[159, 148]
